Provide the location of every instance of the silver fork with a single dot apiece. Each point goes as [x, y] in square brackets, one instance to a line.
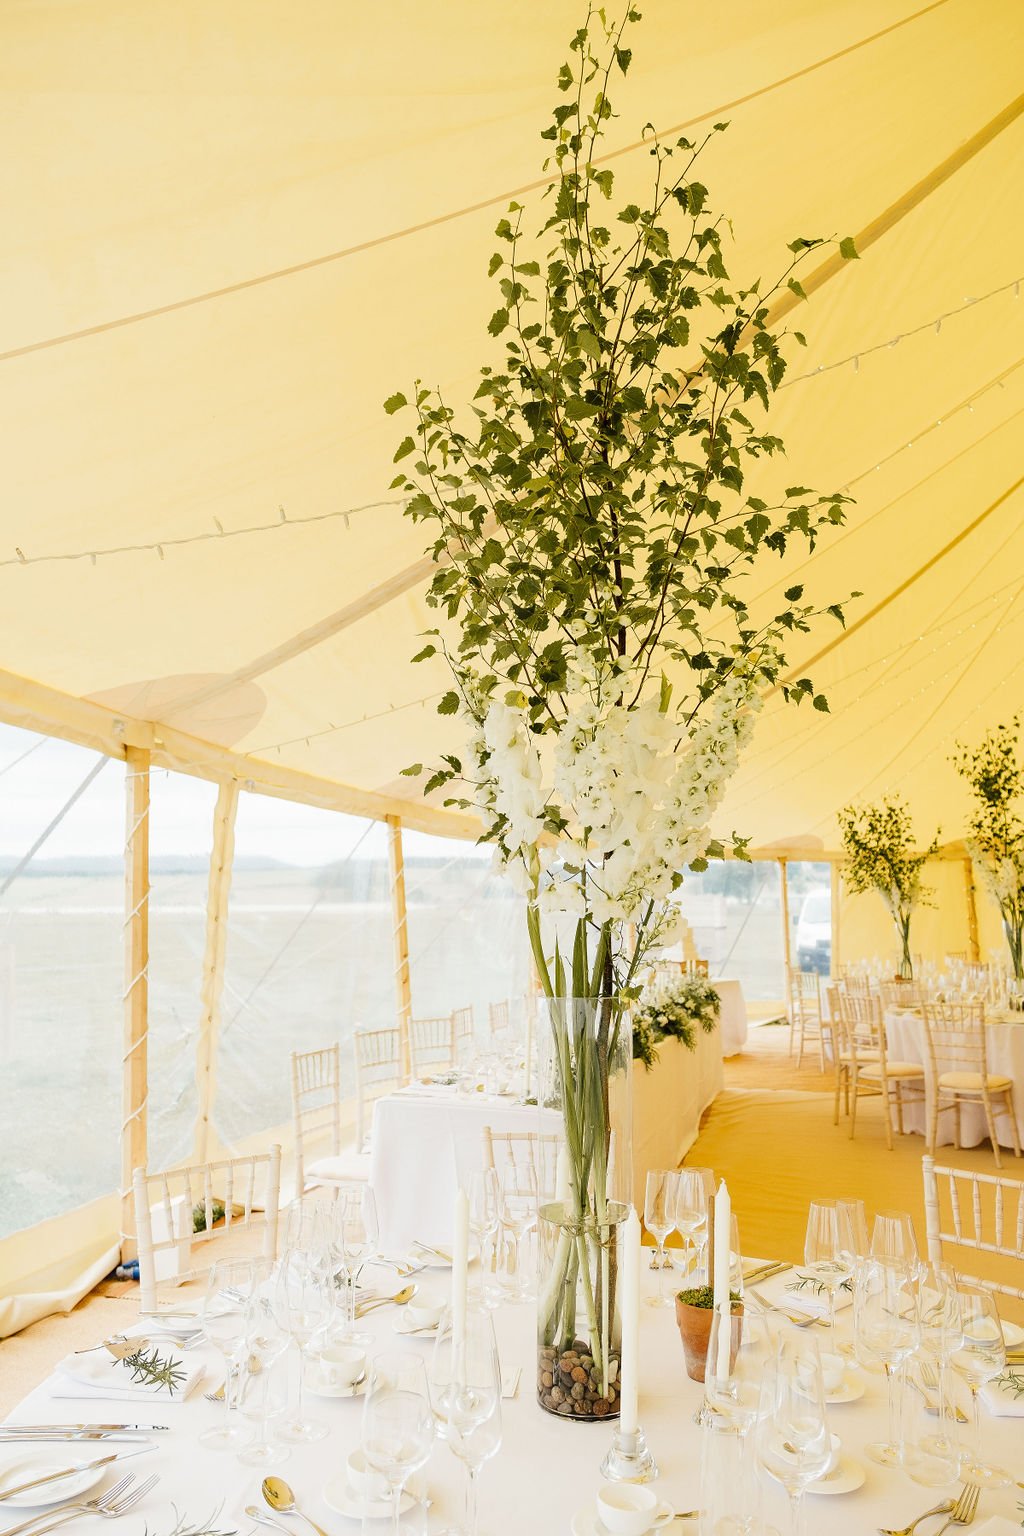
[803, 1320]
[945, 1508]
[965, 1508]
[116, 1501]
[930, 1379]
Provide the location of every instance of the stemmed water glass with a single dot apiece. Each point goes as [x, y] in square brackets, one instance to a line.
[825, 1257]
[659, 1219]
[933, 1457]
[484, 1194]
[398, 1424]
[980, 1359]
[518, 1184]
[893, 1239]
[302, 1302]
[695, 1190]
[353, 1243]
[740, 1351]
[887, 1328]
[264, 1388]
[793, 1441]
[465, 1393]
[229, 1286]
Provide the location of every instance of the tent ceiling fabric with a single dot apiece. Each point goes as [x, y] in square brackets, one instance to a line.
[234, 229]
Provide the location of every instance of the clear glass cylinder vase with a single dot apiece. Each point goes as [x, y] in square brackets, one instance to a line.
[585, 1077]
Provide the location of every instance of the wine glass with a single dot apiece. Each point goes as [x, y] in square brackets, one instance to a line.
[824, 1255]
[852, 1225]
[302, 1304]
[229, 1286]
[933, 1457]
[518, 1185]
[980, 1358]
[353, 1243]
[893, 1239]
[398, 1425]
[264, 1392]
[695, 1188]
[484, 1193]
[887, 1327]
[740, 1350]
[793, 1441]
[659, 1219]
[465, 1393]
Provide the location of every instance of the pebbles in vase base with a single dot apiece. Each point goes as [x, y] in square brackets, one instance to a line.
[569, 1383]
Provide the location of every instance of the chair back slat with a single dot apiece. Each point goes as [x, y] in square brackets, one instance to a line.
[432, 1042]
[316, 1104]
[984, 1195]
[377, 1054]
[176, 1192]
[498, 1019]
[955, 1033]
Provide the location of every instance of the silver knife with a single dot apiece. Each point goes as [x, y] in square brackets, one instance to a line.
[72, 1436]
[21, 1429]
[53, 1477]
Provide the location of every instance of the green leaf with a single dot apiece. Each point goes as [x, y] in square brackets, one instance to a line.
[496, 261]
[428, 650]
[405, 447]
[793, 594]
[588, 343]
[412, 771]
[820, 702]
[498, 322]
[395, 403]
[847, 250]
[797, 288]
[435, 781]
[449, 705]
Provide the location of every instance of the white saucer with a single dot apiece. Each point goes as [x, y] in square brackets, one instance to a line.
[587, 1521]
[849, 1390]
[402, 1324]
[345, 1501]
[320, 1388]
[53, 1459]
[846, 1478]
[431, 1260]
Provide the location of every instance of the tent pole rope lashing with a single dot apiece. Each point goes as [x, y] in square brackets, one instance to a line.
[135, 1057]
[221, 860]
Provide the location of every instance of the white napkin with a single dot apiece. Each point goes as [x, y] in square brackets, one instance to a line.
[99, 1375]
[1013, 1334]
[815, 1304]
[997, 1525]
[1001, 1399]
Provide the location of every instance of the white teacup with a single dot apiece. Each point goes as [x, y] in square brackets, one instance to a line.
[342, 1365]
[368, 1485]
[833, 1372]
[426, 1307]
[630, 1509]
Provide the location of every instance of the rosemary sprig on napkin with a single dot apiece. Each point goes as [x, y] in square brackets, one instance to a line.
[154, 1370]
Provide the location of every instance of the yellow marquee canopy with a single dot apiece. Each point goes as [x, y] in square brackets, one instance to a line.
[232, 230]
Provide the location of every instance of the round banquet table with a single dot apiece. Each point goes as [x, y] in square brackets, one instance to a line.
[544, 1473]
[905, 1041]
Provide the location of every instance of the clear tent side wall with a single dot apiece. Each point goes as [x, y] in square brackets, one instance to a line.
[272, 926]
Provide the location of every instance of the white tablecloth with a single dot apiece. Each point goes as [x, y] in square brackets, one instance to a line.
[732, 1024]
[904, 1033]
[545, 1471]
[421, 1138]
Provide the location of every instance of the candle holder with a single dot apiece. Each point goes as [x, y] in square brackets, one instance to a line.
[628, 1459]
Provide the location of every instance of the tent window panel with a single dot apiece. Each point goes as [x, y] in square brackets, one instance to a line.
[467, 929]
[180, 842]
[734, 911]
[810, 916]
[309, 953]
[61, 964]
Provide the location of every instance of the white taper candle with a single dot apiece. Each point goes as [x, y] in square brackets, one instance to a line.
[723, 1233]
[460, 1274]
[629, 1292]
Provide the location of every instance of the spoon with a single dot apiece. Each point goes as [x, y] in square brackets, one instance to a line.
[399, 1299]
[280, 1497]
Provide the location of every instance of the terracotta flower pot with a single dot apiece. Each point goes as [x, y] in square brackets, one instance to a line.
[695, 1330]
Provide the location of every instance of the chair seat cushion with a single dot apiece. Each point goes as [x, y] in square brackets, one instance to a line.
[974, 1082]
[897, 1069]
[349, 1164]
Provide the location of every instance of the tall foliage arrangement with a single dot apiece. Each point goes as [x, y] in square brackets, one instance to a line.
[879, 844]
[996, 831]
[591, 523]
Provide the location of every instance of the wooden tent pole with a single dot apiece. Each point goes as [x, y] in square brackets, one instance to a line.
[134, 1074]
[218, 890]
[974, 947]
[400, 919]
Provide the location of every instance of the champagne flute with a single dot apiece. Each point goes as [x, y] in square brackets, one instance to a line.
[264, 1390]
[465, 1393]
[824, 1256]
[933, 1458]
[887, 1328]
[980, 1358]
[695, 1188]
[659, 1219]
[793, 1441]
[518, 1213]
[302, 1304]
[229, 1286]
[398, 1425]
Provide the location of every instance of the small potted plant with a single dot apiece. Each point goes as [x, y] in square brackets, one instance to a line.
[694, 1311]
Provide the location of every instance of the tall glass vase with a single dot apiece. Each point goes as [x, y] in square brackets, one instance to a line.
[585, 1074]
